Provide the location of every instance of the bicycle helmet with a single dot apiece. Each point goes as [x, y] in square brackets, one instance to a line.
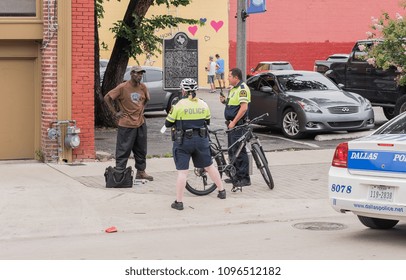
[189, 85]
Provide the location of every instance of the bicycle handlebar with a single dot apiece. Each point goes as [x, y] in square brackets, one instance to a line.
[254, 120]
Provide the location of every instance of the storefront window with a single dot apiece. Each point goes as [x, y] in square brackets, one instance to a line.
[18, 8]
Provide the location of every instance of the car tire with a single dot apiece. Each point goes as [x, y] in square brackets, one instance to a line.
[291, 124]
[172, 101]
[400, 106]
[376, 223]
[389, 112]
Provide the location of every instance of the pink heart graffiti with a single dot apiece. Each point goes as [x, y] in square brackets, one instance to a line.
[192, 29]
[216, 24]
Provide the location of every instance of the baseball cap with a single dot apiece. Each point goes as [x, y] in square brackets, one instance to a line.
[137, 69]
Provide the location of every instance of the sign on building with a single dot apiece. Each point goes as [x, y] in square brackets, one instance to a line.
[256, 6]
[180, 60]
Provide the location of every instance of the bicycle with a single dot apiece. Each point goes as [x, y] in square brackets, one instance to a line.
[199, 183]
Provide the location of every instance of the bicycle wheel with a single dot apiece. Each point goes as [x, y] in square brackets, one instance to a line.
[262, 164]
[199, 182]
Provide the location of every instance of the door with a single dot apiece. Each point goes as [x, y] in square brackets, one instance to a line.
[263, 101]
[153, 80]
[17, 116]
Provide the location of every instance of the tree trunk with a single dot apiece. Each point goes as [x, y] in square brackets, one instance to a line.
[117, 64]
[102, 114]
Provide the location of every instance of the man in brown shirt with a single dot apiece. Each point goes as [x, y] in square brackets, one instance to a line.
[131, 97]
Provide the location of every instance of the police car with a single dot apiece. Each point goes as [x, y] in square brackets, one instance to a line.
[368, 176]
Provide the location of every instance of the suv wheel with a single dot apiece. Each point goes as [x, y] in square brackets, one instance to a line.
[400, 106]
[172, 101]
[389, 112]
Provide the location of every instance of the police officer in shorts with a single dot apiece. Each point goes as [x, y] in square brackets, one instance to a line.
[188, 120]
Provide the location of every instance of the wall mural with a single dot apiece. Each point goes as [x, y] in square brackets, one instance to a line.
[192, 29]
[216, 25]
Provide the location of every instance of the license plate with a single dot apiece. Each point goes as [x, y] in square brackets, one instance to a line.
[381, 193]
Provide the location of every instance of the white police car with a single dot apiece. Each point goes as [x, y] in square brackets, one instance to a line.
[368, 176]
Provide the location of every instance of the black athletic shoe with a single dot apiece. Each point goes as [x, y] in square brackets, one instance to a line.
[222, 194]
[228, 181]
[245, 182]
[242, 183]
[177, 205]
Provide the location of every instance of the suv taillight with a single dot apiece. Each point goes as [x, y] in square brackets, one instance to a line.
[340, 155]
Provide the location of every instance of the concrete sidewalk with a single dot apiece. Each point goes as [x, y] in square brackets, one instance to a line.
[51, 200]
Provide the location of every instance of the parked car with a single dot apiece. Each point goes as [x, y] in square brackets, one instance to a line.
[378, 85]
[103, 65]
[302, 102]
[322, 66]
[368, 176]
[153, 79]
[265, 66]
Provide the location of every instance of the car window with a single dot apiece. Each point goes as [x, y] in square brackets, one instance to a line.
[303, 82]
[267, 81]
[281, 66]
[262, 67]
[337, 58]
[253, 82]
[396, 127]
[360, 51]
[153, 75]
[103, 63]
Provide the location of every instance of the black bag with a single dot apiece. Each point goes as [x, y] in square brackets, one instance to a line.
[122, 178]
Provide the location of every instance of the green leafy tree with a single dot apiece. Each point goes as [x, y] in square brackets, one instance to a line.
[390, 47]
[134, 35]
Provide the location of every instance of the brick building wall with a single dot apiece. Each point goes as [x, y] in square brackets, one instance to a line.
[49, 96]
[82, 110]
[83, 76]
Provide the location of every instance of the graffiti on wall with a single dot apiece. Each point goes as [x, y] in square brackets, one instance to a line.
[216, 25]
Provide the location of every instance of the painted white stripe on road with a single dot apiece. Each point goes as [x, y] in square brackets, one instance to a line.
[293, 141]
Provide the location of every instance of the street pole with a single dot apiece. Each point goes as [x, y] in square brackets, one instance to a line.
[241, 38]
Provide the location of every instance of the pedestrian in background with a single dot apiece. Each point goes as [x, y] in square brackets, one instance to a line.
[220, 72]
[189, 119]
[211, 72]
[236, 113]
[131, 97]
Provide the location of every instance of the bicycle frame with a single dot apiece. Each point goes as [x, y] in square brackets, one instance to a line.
[199, 184]
[240, 143]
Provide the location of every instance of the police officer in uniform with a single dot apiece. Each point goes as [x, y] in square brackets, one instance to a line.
[188, 120]
[236, 113]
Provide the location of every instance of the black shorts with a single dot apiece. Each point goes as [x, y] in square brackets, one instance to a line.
[197, 148]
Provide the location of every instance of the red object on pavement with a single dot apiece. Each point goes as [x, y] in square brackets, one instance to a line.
[111, 229]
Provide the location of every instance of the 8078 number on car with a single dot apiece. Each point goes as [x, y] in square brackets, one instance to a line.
[341, 188]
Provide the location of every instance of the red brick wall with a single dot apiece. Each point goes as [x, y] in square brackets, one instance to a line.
[49, 96]
[83, 76]
[82, 80]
